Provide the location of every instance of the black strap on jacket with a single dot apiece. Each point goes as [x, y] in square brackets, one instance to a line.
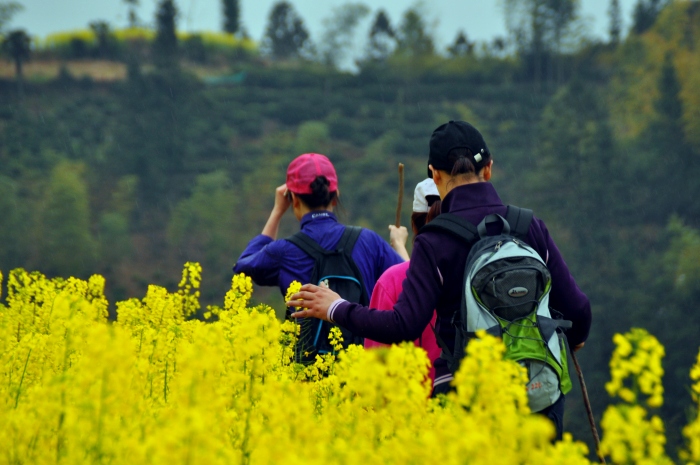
[345, 245]
[518, 219]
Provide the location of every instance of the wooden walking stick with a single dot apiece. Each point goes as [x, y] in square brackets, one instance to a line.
[398, 207]
[587, 402]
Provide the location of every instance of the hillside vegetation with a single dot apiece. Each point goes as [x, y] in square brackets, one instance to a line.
[130, 155]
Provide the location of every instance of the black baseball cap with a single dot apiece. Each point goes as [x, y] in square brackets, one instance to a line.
[456, 135]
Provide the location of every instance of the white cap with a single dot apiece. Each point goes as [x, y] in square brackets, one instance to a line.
[424, 188]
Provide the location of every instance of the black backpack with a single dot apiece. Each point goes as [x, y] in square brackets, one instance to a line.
[338, 269]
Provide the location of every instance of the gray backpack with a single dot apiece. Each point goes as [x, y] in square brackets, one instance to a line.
[506, 293]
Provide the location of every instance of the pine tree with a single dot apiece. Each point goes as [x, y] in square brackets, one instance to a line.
[382, 38]
[671, 153]
[16, 45]
[133, 16]
[645, 14]
[461, 46]
[286, 36]
[165, 44]
[615, 16]
[413, 37]
[232, 16]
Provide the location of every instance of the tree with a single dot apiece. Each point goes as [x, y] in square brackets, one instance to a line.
[105, 40]
[414, 39]
[133, 17]
[339, 28]
[7, 11]
[165, 44]
[232, 16]
[382, 38]
[645, 14]
[16, 44]
[670, 155]
[207, 226]
[13, 226]
[286, 36]
[615, 27]
[539, 28]
[65, 243]
[461, 46]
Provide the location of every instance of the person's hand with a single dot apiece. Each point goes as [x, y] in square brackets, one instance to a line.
[313, 300]
[398, 236]
[397, 239]
[578, 347]
[282, 203]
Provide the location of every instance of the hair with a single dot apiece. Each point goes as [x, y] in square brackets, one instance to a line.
[420, 219]
[320, 196]
[461, 161]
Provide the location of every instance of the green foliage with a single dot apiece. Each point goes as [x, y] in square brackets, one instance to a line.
[615, 26]
[114, 239]
[165, 49]
[682, 259]
[17, 45]
[382, 38]
[232, 16]
[286, 36]
[461, 46]
[106, 46]
[539, 28]
[13, 225]
[133, 16]
[7, 10]
[65, 243]
[178, 168]
[312, 137]
[204, 225]
[413, 37]
[645, 14]
[339, 30]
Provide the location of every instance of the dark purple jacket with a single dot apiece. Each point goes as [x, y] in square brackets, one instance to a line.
[278, 263]
[435, 280]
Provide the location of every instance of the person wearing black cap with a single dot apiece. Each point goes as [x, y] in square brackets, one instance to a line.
[460, 163]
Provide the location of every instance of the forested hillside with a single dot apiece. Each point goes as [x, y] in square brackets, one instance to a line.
[178, 159]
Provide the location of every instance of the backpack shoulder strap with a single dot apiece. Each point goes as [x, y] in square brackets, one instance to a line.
[453, 224]
[307, 244]
[348, 239]
[519, 220]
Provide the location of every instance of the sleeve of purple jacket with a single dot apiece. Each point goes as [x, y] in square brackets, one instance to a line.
[412, 311]
[260, 260]
[565, 296]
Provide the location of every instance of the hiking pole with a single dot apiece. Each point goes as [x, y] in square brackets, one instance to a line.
[587, 402]
[398, 207]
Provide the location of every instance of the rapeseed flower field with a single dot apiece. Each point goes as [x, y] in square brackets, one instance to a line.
[158, 386]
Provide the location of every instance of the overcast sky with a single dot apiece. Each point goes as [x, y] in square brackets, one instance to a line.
[480, 19]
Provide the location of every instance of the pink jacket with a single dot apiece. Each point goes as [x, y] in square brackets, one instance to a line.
[386, 293]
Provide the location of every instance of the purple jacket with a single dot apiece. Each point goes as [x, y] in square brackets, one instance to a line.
[278, 263]
[435, 280]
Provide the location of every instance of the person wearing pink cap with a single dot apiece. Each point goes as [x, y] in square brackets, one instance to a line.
[426, 206]
[311, 190]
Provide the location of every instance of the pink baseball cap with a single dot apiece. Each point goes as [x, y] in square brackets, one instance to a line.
[304, 169]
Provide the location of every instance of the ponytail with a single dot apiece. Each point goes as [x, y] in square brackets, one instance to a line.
[320, 195]
[464, 162]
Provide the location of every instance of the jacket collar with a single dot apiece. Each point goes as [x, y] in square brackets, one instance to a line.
[469, 196]
[316, 216]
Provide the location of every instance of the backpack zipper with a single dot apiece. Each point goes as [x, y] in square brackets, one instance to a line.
[493, 274]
